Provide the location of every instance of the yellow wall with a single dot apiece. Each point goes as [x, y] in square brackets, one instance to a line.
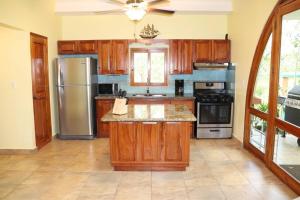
[16, 109]
[178, 26]
[245, 25]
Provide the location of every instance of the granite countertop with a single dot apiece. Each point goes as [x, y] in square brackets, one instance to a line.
[131, 96]
[152, 113]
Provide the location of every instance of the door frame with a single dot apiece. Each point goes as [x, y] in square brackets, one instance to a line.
[273, 26]
[34, 36]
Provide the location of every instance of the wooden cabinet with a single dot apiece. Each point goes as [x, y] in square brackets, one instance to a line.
[102, 107]
[203, 51]
[113, 56]
[221, 51]
[181, 56]
[149, 145]
[148, 101]
[77, 47]
[212, 51]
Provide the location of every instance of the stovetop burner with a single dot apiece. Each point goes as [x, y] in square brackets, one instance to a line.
[214, 98]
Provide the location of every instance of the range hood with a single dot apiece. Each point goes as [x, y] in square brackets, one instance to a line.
[212, 66]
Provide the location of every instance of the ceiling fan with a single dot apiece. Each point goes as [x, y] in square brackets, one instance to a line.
[136, 9]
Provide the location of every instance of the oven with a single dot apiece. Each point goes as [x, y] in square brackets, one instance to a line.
[214, 110]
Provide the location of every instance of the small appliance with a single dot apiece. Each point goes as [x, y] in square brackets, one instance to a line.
[179, 87]
[108, 88]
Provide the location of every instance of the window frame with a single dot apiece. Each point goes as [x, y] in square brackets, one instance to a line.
[149, 51]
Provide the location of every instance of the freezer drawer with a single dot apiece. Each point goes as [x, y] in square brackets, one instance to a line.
[214, 132]
[75, 110]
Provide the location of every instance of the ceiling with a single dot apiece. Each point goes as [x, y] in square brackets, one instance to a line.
[75, 7]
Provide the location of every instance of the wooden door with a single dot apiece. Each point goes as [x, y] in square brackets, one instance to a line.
[104, 56]
[175, 137]
[202, 51]
[102, 107]
[120, 56]
[174, 55]
[67, 47]
[123, 141]
[87, 46]
[40, 89]
[186, 55]
[149, 139]
[221, 51]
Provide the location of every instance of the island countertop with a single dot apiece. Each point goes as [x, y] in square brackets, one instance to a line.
[152, 113]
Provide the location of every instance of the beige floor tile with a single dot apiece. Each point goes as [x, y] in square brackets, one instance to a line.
[244, 192]
[6, 189]
[232, 178]
[206, 193]
[177, 195]
[129, 192]
[27, 192]
[275, 192]
[13, 177]
[43, 178]
[200, 181]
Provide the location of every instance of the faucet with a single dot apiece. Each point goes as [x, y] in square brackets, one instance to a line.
[148, 91]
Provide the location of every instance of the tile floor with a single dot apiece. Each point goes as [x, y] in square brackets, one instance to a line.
[80, 170]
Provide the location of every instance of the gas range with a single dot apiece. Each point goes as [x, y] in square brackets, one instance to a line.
[214, 110]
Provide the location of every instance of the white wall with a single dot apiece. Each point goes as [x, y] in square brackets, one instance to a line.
[178, 26]
[17, 20]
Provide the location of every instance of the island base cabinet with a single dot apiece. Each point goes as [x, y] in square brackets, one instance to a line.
[150, 146]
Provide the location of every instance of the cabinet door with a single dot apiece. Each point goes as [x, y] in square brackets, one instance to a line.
[120, 56]
[102, 107]
[87, 46]
[221, 51]
[123, 141]
[104, 56]
[174, 57]
[67, 47]
[202, 51]
[176, 141]
[186, 56]
[149, 141]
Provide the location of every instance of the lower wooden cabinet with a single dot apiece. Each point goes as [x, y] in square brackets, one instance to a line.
[150, 145]
[102, 107]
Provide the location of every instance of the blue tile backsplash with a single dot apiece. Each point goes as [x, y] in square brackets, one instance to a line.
[198, 75]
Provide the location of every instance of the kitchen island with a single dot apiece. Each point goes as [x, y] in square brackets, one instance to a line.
[150, 137]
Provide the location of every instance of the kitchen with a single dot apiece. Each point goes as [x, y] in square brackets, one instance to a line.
[204, 153]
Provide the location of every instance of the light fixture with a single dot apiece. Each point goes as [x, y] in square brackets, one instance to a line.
[136, 11]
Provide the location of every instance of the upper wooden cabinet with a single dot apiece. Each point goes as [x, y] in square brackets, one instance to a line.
[113, 56]
[77, 47]
[212, 51]
[221, 51]
[181, 56]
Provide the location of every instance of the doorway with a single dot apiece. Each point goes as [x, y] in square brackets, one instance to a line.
[40, 89]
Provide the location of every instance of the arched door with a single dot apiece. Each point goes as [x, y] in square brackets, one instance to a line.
[272, 120]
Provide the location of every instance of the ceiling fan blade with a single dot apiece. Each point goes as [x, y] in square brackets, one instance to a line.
[108, 12]
[156, 2]
[117, 2]
[161, 11]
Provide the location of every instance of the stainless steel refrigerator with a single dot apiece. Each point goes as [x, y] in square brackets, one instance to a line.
[76, 87]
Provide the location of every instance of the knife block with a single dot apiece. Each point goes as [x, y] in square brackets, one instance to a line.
[120, 107]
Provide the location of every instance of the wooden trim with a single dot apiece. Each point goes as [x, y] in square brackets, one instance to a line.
[288, 127]
[149, 51]
[262, 115]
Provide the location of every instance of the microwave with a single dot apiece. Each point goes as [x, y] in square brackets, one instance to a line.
[108, 88]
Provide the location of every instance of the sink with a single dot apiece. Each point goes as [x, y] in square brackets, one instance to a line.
[149, 95]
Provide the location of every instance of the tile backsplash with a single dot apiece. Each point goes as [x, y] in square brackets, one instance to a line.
[198, 75]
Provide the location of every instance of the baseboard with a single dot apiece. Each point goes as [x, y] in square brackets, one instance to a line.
[17, 151]
[241, 143]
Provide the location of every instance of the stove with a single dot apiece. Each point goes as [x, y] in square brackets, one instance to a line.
[214, 110]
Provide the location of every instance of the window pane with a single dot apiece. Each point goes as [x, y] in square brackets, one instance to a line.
[260, 97]
[140, 67]
[289, 76]
[157, 67]
[258, 132]
[287, 153]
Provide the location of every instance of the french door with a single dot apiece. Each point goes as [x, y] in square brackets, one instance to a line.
[272, 123]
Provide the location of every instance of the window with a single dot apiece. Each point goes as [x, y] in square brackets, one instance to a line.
[148, 67]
